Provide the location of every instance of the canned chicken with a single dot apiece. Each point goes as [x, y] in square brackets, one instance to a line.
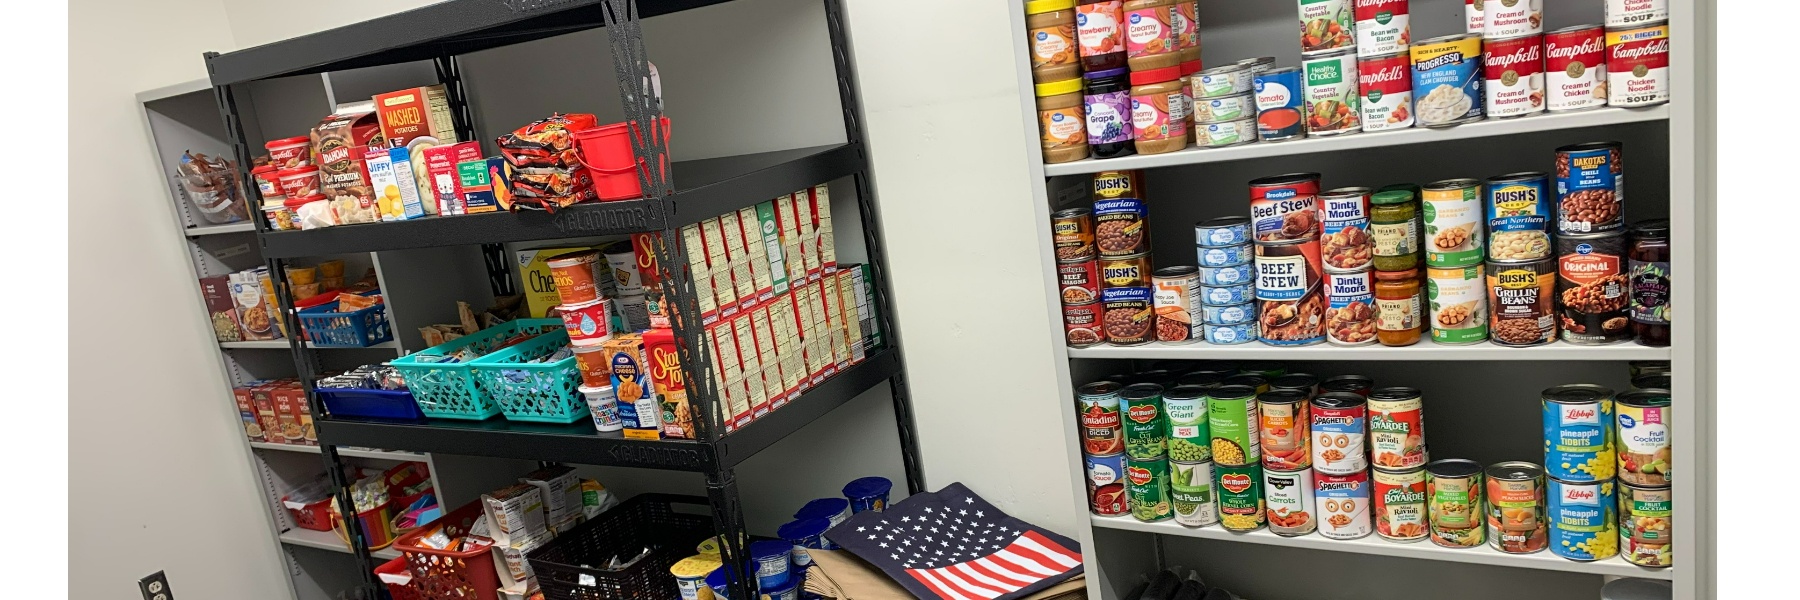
[1101, 423]
[1227, 133]
[1231, 334]
[1522, 302]
[1079, 280]
[1238, 274]
[1278, 105]
[1515, 507]
[1453, 223]
[1147, 489]
[1235, 425]
[1224, 108]
[1454, 504]
[1146, 429]
[1240, 497]
[1350, 317]
[1583, 519]
[1129, 315]
[1190, 434]
[1326, 26]
[1343, 502]
[1120, 228]
[1578, 426]
[1458, 305]
[1082, 324]
[1106, 484]
[1286, 422]
[1346, 246]
[1644, 525]
[1072, 234]
[1397, 428]
[1400, 505]
[1575, 68]
[1125, 271]
[1385, 82]
[1502, 19]
[1223, 80]
[1591, 288]
[1515, 75]
[1590, 187]
[1228, 315]
[1228, 295]
[1285, 207]
[1289, 497]
[1223, 232]
[1643, 437]
[1382, 27]
[1177, 300]
[1627, 13]
[1331, 94]
[1225, 256]
[1518, 216]
[1445, 80]
[1637, 65]
[1338, 430]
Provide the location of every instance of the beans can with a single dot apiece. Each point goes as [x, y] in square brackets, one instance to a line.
[1458, 305]
[1228, 315]
[1129, 316]
[1644, 525]
[1125, 271]
[1361, 385]
[1454, 226]
[1522, 302]
[1236, 333]
[1642, 438]
[1072, 233]
[1332, 100]
[1472, 15]
[1196, 506]
[1224, 108]
[1518, 216]
[1227, 133]
[1637, 65]
[1176, 297]
[1225, 256]
[1454, 504]
[1279, 112]
[1235, 423]
[1290, 292]
[1147, 489]
[1223, 80]
[1223, 232]
[1627, 13]
[1227, 276]
[1350, 316]
[1082, 324]
[1195, 475]
[1400, 505]
[1578, 427]
[1120, 228]
[1289, 497]
[1286, 429]
[1190, 433]
[1382, 27]
[1575, 68]
[1590, 187]
[1240, 490]
[1285, 207]
[1326, 26]
[1397, 428]
[1515, 75]
[1101, 422]
[1515, 507]
[1592, 290]
[1339, 426]
[1346, 246]
[1146, 429]
[1106, 484]
[1228, 295]
[1344, 505]
[1112, 185]
[1385, 82]
[1079, 281]
[1446, 80]
[1583, 519]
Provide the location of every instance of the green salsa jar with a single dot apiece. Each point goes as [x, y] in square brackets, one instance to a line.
[1395, 226]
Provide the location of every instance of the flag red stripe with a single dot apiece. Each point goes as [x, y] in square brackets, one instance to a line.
[1051, 545]
[970, 571]
[966, 584]
[932, 583]
[1036, 557]
[992, 568]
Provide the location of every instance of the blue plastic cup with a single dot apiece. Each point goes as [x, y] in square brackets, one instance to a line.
[773, 559]
[803, 534]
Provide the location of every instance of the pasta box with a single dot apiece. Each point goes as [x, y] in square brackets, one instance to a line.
[632, 386]
[560, 488]
[247, 411]
[262, 398]
[217, 292]
[413, 113]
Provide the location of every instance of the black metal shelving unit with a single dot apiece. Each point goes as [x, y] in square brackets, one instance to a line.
[690, 192]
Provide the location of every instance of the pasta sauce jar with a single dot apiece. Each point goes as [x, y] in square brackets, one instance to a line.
[1398, 312]
[1394, 226]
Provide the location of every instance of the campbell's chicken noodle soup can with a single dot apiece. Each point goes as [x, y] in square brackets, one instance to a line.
[1344, 505]
[1502, 19]
[1280, 113]
[1289, 497]
[1637, 65]
[1515, 507]
[1447, 80]
[1102, 429]
[1072, 233]
[1083, 324]
[1339, 428]
[1346, 246]
[1400, 507]
[1176, 296]
[1472, 15]
[1332, 100]
[1578, 428]
[1385, 82]
[1079, 281]
[1382, 26]
[1106, 484]
[1630, 13]
[1290, 292]
[1286, 423]
[1454, 506]
[1350, 308]
[1326, 26]
[1515, 76]
[1285, 207]
[1397, 428]
[1575, 68]
[1592, 289]
[1644, 525]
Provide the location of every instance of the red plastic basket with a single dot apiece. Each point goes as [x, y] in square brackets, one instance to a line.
[315, 516]
[467, 575]
[393, 570]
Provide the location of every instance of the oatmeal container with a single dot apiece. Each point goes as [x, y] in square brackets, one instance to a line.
[1120, 228]
[1231, 334]
[1385, 82]
[1224, 108]
[1454, 226]
[1227, 296]
[1125, 271]
[1522, 302]
[1458, 301]
[1228, 315]
[1326, 26]
[1082, 324]
[1350, 318]
[1286, 435]
[1331, 94]
[1227, 276]
[1382, 27]
[1346, 246]
[1339, 428]
[1644, 525]
[1279, 114]
[1400, 507]
[1592, 291]
[1129, 315]
[1447, 80]
[1344, 505]
[1501, 19]
[1453, 503]
[1176, 297]
[1637, 65]
[1630, 13]
[1221, 232]
[1225, 256]
[1397, 428]
[1106, 485]
[1515, 75]
[1072, 233]
[1289, 496]
[1518, 216]
[1224, 80]
[1285, 207]
[1590, 187]
[1575, 68]
[1642, 437]
[1472, 15]
[1578, 427]
[1101, 422]
[1228, 133]
[1079, 281]
[1583, 519]
[1515, 507]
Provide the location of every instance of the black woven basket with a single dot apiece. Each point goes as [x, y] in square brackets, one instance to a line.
[568, 568]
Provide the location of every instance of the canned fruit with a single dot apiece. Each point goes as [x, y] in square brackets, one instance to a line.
[1285, 207]
[1227, 276]
[1128, 315]
[1637, 65]
[1177, 302]
[1623, 13]
[1228, 295]
[1385, 82]
[1575, 68]
[1278, 104]
[1339, 428]
[1382, 26]
[1590, 187]
[1289, 500]
[1458, 300]
[1446, 80]
[1578, 425]
[1332, 100]
[1521, 302]
[1230, 334]
[1120, 228]
[1195, 507]
[1224, 108]
[1644, 525]
[1106, 484]
[1101, 422]
[1147, 489]
[1082, 324]
[1397, 428]
[1515, 76]
[1228, 315]
[1592, 290]
[1512, 18]
[1454, 223]
[1227, 133]
[1400, 505]
[1286, 437]
[1343, 505]
[1190, 433]
[1518, 216]
[1515, 507]
[1222, 232]
[1350, 318]
[1072, 234]
[1583, 519]
[1145, 427]
[1240, 497]
[1642, 438]
[1225, 256]
[1232, 415]
[1454, 504]
[1326, 25]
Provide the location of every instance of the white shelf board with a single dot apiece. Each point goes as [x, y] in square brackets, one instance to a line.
[171, 91]
[1374, 544]
[219, 229]
[282, 344]
[1417, 135]
[1424, 350]
[328, 540]
[399, 455]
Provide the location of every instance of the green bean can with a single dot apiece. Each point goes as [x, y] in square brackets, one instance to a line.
[1190, 437]
[1241, 497]
[1231, 413]
[1147, 488]
[1146, 428]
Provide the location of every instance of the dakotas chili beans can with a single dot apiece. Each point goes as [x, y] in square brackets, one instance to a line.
[1102, 429]
[1515, 508]
[1106, 485]
[1286, 420]
[1344, 505]
[1079, 281]
[1130, 315]
[1082, 324]
[1289, 496]
[1522, 302]
[1515, 75]
[1590, 187]
[1397, 428]
[1385, 82]
[1339, 426]
[1072, 234]
[1382, 26]
[1176, 296]
[1350, 317]
[1241, 497]
[1400, 505]
[1592, 291]
[1120, 228]
[1575, 68]
[1637, 65]
[1346, 246]
[1125, 271]
[1285, 207]
[1453, 503]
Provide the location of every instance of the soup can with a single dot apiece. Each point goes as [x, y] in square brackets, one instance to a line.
[1512, 18]
[1515, 507]
[1339, 426]
[1454, 504]
[1289, 497]
[1279, 113]
[1079, 281]
[1592, 290]
[1637, 65]
[1176, 296]
[1522, 302]
[1147, 489]
[1350, 313]
[1285, 207]
[1227, 133]
[1235, 425]
[1120, 228]
[1346, 246]
[1106, 484]
[1225, 256]
[1629, 13]
[1344, 505]
[1240, 490]
[1472, 15]
[1382, 27]
[1458, 299]
[1190, 434]
[1578, 425]
[1400, 506]
[1228, 295]
[1515, 75]
[1642, 438]
[1454, 223]
[1072, 233]
[1446, 80]
[1082, 324]
[1129, 315]
[1361, 385]
[1326, 26]
[1644, 525]
[1286, 422]
[1223, 232]
[1575, 68]
[1518, 216]
[1102, 430]
[1224, 108]
[1583, 519]
[1397, 428]
[1385, 82]
[1146, 429]
[1590, 187]
[1291, 293]
[1196, 506]
[1222, 81]
[1332, 100]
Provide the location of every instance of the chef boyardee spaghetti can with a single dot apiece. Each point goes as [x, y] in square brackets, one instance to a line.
[1240, 491]
[1447, 80]
[1644, 529]
[1147, 489]
[1146, 430]
[1453, 498]
[1190, 438]
[1232, 415]
[1583, 521]
[1578, 425]
[1289, 496]
[1515, 507]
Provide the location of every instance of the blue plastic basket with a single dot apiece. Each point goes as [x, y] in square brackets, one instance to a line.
[546, 392]
[451, 390]
[370, 404]
[326, 328]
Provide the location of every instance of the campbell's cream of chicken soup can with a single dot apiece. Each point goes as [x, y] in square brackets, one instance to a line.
[1511, 18]
[1575, 68]
[1382, 27]
[1472, 16]
[1515, 76]
[1629, 13]
[1385, 83]
[1637, 65]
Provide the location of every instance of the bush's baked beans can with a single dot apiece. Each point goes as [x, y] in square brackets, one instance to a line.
[1515, 75]
[1644, 525]
[1147, 488]
[1225, 256]
[1130, 315]
[1235, 425]
[1346, 246]
[1642, 438]
[1382, 27]
[1289, 495]
[1285, 207]
[1578, 427]
[1106, 484]
[1592, 291]
[1079, 281]
[1286, 422]
[1280, 115]
[1446, 80]
[1627, 13]
[1637, 65]
[1109, 185]
[1575, 68]
[1190, 434]
[1223, 232]
[1454, 504]
[1400, 506]
[1146, 429]
[1458, 299]
[1454, 226]
[1583, 519]
[1339, 426]
[1472, 16]
[1344, 505]
[1326, 26]
[1515, 507]
[1227, 276]
[1522, 302]
[1228, 295]
[1195, 506]
[1082, 324]
[1590, 187]
[1397, 428]
[1350, 312]
[1072, 233]
[1332, 100]
[1102, 429]
[1511, 18]
[1120, 227]
[1361, 385]
[1228, 315]
[1518, 216]
[1385, 82]
[1125, 271]
[1176, 297]
[1240, 491]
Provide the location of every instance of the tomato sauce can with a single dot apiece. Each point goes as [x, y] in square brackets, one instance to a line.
[1642, 438]
[1106, 484]
[1072, 234]
[1285, 207]
[1453, 502]
[1454, 225]
[1575, 68]
[1446, 80]
[1385, 81]
[1583, 519]
[1397, 428]
[1339, 426]
[1129, 315]
[1518, 216]
[1637, 65]
[1326, 26]
[1578, 427]
[1176, 296]
[1147, 489]
[1146, 430]
[1280, 115]
[1101, 423]
[1590, 187]
[1400, 506]
[1286, 422]
[1382, 26]
[1344, 506]
[1289, 498]
[1240, 490]
[1082, 324]
[1190, 434]
[1079, 281]
[1512, 18]
[1332, 99]
[1592, 290]
[1197, 503]
[1628, 13]
[1235, 425]
[1350, 315]
[1644, 525]
[1120, 228]
[1522, 302]
[1346, 246]
[1515, 507]
[1515, 75]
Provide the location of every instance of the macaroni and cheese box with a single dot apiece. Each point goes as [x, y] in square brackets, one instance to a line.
[632, 386]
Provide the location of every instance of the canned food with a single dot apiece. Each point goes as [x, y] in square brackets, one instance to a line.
[1305, 383]
[1266, 369]
[1644, 525]
[1512, 18]
[1223, 80]
[1326, 26]
[1082, 324]
[1344, 505]
[1101, 424]
[1112, 185]
[1079, 280]
[1289, 496]
[1225, 256]
[1583, 519]
[1453, 503]
[1385, 82]
[1190, 435]
[1339, 426]
[1453, 223]
[1177, 300]
[1515, 507]
[1240, 497]
[1361, 385]
[1196, 475]
[1227, 133]
[1623, 13]
[1072, 233]
[1125, 271]
[1222, 232]
[1654, 381]
[1458, 305]
[1643, 437]
[1129, 315]
[1235, 423]
[1640, 368]
[1591, 288]
[1518, 216]
[1120, 228]
[1224, 108]
[1285, 207]
[1286, 422]
[1400, 505]
[1350, 318]
[1331, 94]
[1346, 246]
[1258, 65]
[1228, 295]
[1446, 80]
[1278, 108]
[1382, 27]
[1198, 507]
[1578, 426]
[1230, 334]
[1250, 380]
[1472, 15]
[1282, 268]
[1397, 428]
[1590, 187]
[1147, 489]
[1227, 276]
[1637, 65]
[1106, 484]
[1575, 68]
[1228, 315]
[1522, 302]
[1515, 75]
[1395, 226]
[1146, 430]
[1208, 379]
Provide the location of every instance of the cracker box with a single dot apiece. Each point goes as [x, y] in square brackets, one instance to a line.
[695, 246]
[636, 394]
[728, 368]
[560, 490]
[674, 412]
[772, 251]
[515, 512]
[535, 279]
[415, 113]
[718, 263]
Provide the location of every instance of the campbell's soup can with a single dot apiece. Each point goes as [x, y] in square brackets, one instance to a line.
[1285, 207]
[1280, 115]
[1631, 13]
[1447, 81]
[1289, 496]
[1101, 423]
[1472, 16]
[1339, 428]
[1382, 27]
[1106, 485]
[1350, 315]
[1515, 76]
[1511, 18]
[1331, 96]
[1385, 82]
[1575, 68]
[1344, 505]
[1637, 65]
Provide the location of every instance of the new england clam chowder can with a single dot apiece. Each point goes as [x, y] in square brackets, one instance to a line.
[1447, 80]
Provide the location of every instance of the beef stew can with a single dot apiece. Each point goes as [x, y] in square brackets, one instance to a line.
[1385, 82]
[1514, 69]
[1332, 99]
[1288, 496]
[1072, 234]
[1106, 485]
[1223, 232]
[1176, 297]
[1339, 428]
[1454, 504]
[1583, 519]
[1590, 187]
[1225, 256]
[1397, 428]
[1446, 80]
[1130, 316]
[1285, 207]
[1512, 18]
[1518, 216]
[1637, 65]
[1515, 507]
[1240, 489]
[1102, 425]
[1079, 281]
[1346, 245]
[1350, 313]
[1344, 505]
[1630, 13]
[1083, 324]
[1575, 68]
[1400, 507]
[1522, 302]
[1286, 436]
[1578, 428]
[1120, 228]
[1279, 112]
[1592, 291]
[1290, 292]
[1644, 525]
[1382, 26]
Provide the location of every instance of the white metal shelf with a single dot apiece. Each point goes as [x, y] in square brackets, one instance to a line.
[328, 540]
[219, 229]
[1424, 350]
[375, 453]
[282, 344]
[1374, 544]
[1417, 135]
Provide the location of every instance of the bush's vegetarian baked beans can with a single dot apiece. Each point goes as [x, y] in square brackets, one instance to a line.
[1332, 100]
[1447, 80]
[1397, 428]
[1109, 185]
[1642, 438]
[1512, 18]
[1458, 299]
[1289, 496]
[1072, 233]
[1083, 324]
[1176, 296]
[1578, 427]
[1583, 519]
[1130, 315]
[1079, 281]
[1339, 426]
[1515, 507]
[1223, 232]
[1120, 228]
[1290, 292]
[1592, 291]
[1101, 422]
[1637, 65]
[1225, 256]
[1285, 207]
[1518, 216]
[1190, 432]
[1575, 68]
[1286, 419]
[1240, 490]
[1146, 429]
[1106, 484]
[1235, 425]
[1326, 26]
[1628, 13]
[1515, 75]
[1344, 505]
[1472, 15]
[1125, 271]
[1361, 385]
[1644, 525]
[1454, 224]
[1456, 511]
[1590, 187]
[1346, 246]
[1400, 506]
[1350, 313]
[1280, 114]
[1385, 82]
[1382, 26]
[1147, 488]
[1522, 302]
[1196, 503]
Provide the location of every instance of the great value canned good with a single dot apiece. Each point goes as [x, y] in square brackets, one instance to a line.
[1522, 302]
[1397, 428]
[1637, 65]
[1326, 26]
[1515, 75]
[1098, 403]
[1235, 423]
[1454, 504]
[1129, 315]
[1518, 216]
[1079, 281]
[1224, 108]
[1642, 438]
[1382, 27]
[1644, 525]
[1227, 133]
[1228, 295]
[1592, 290]
[1289, 497]
[1228, 315]
[1258, 65]
[1190, 433]
[1331, 95]
[1223, 80]
[1082, 324]
[1196, 507]
[1458, 300]
[1447, 81]
[1147, 489]
[1240, 491]
[1575, 68]
[1106, 484]
[1385, 82]
[1285, 207]
[1223, 232]
[1238, 274]
[1400, 505]
[1146, 429]
[1344, 505]
[1583, 519]
[1176, 296]
[1512, 18]
[1626, 13]
[1072, 233]
[1578, 424]
[1472, 16]
[1454, 226]
[1231, 334]
[1350, 315]
[1590, 187]
[1225, 256]
[1120, 228]
[1278, 104]
[1339, 426]
[1515, 507]
[1286, 429]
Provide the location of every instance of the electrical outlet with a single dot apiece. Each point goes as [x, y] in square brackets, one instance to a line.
[156, 587]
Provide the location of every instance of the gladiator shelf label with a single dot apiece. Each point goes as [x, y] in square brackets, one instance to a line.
[658, 456]
[610, 217]
[525, 6]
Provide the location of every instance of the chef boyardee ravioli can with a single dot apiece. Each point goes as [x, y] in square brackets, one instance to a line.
[1578, 425]
[1232, 415]
[1400, 507]
[1147, 489]
[1583, 519]
[1447, 80]
[1146, 429]
[1240, 491]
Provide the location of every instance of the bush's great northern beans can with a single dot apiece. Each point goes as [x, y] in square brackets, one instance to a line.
[1578, 427]
[1447, 81]
[1289, 497]
[1285, 207]
[1101, 421]
[1454, 505]
[1522, 302]
[1332, 101]
[1339, 428]
[1515, 76]
[1106, 485]
[1637, 65]
[1280, 115]
[1575, 68]
[1344, 505]
[1518, 216]
[1382, 27]
[1385, 82]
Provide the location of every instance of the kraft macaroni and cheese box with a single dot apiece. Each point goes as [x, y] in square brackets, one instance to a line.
[632, 385]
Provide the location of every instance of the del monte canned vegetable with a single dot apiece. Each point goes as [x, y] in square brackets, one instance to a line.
[1241, 497]
[1147, 489]
[1146, 429]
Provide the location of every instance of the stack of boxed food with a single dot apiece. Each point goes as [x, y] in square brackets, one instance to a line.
[526, 515]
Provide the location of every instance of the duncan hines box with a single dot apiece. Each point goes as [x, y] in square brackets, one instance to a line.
[341, 142]
[415, 113]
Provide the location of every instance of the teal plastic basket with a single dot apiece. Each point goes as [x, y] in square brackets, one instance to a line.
[451, 390]
[544, 392]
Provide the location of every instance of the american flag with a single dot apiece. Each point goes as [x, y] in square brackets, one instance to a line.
[953, 545]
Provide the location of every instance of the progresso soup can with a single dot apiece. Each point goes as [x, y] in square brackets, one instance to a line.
[1106, 484]
[1240, 491]
[1583, 519]
[1280, 115]
[1344, 505]
[1146, 429]
[1233, 418]
[1578, 425]
[1101, 431]
[1515, 508]
[1147, 489]
[1447, 80]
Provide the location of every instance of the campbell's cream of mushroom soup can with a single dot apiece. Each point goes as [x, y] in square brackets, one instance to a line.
[1472, 16]
[1631, 13]
[1515, 76]
[1637, 65]
[1386, 86]
[1575, 68]
[1511, 18]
